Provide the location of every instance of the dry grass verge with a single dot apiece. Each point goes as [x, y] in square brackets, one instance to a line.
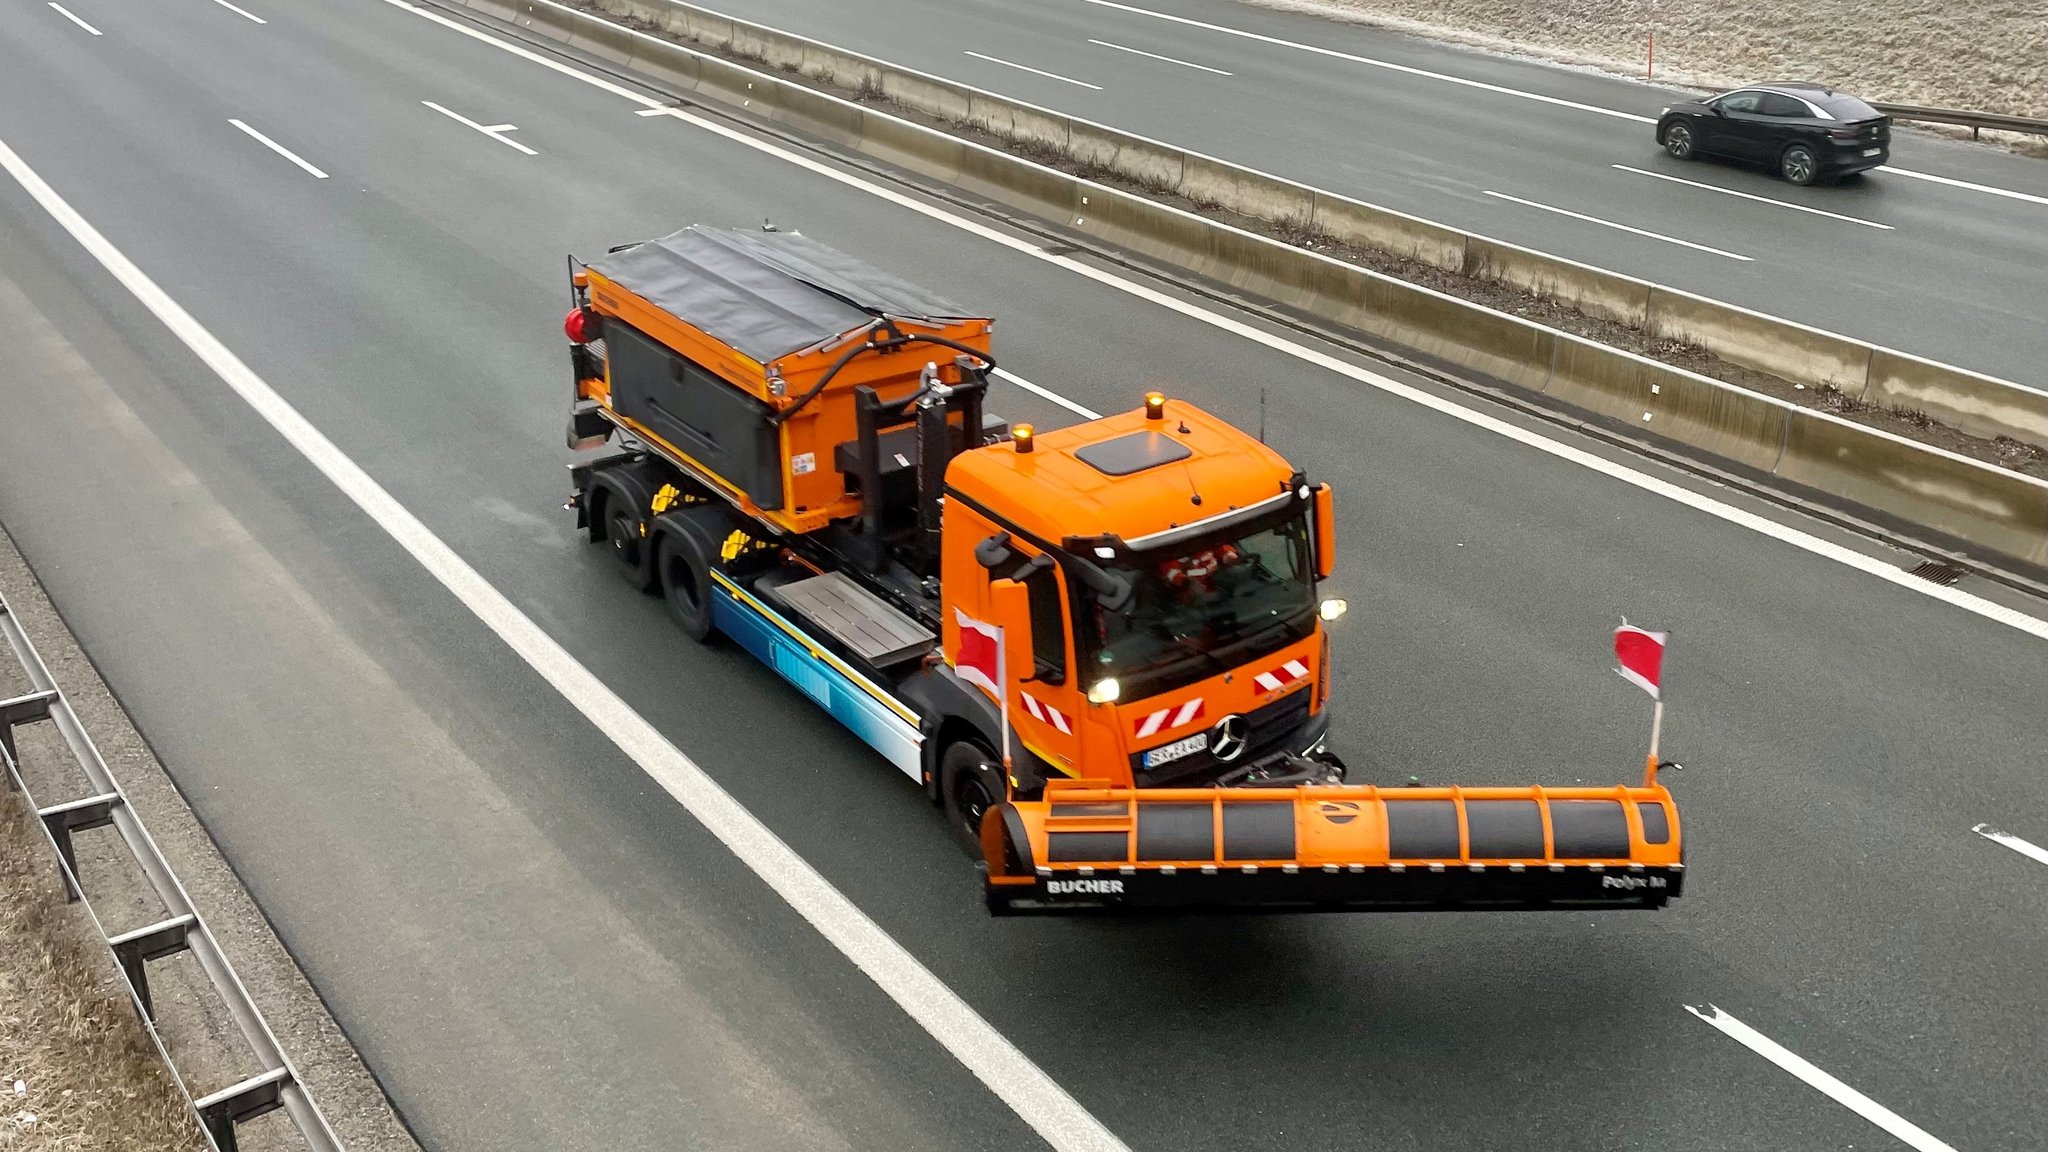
[1987, 57]
[2028, 459]
[77, 1071]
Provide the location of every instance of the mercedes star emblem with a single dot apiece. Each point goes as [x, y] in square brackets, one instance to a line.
[1226, 741]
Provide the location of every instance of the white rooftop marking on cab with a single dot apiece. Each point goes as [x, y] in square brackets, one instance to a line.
[1911, 1134]
[66, 12]
[241, 12]
[1035, 71]
[1753, 196]
[280, 149]
[1011, 1075]
[1618, 227]
[494, 131]
[1156, 56]
[2031, 851]
[1848, 557]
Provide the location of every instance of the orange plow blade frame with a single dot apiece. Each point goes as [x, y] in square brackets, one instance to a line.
[1086, 846]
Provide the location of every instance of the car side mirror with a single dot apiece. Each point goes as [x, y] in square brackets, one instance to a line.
[1718, 110]
[1326, 532]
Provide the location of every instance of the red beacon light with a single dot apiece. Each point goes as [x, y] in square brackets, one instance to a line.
[580, 326]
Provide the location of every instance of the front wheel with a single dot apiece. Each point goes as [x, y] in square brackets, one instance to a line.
[971, 783]
[1799, 165]
[1678, 142]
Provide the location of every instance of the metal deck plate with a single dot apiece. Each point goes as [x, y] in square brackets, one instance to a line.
[856, 618]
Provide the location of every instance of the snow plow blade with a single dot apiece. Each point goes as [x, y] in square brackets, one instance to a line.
[1086, 847]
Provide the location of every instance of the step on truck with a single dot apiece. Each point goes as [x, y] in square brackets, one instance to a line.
[1101, 649]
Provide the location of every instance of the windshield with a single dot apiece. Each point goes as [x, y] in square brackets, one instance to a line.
[1203, 608]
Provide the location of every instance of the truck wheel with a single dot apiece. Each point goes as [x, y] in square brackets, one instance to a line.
[625, 544]
[684, 562]
[971, 783]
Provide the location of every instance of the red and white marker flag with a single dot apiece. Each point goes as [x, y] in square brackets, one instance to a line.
[1641, 656]
[980, 662]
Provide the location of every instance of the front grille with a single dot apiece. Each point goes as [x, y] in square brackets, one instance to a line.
[1269, 729]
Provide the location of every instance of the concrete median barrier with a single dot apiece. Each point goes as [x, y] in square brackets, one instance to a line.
[1590, 290]
[1787, 351]
[1397, 234]
[1976, 404]
[1992, 508]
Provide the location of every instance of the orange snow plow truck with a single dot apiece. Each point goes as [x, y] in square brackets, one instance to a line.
[1101, 649]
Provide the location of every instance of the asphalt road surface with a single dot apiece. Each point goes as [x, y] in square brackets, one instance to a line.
[1557, 160]
[535, 946]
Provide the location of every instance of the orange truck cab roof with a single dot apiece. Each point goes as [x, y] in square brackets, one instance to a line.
[1124, 475]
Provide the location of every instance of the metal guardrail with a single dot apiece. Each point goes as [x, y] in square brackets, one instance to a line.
[1976, 122]
[181, 930]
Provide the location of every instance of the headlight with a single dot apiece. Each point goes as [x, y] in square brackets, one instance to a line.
[1105, 691]
[1665, 112]
[1333, 607]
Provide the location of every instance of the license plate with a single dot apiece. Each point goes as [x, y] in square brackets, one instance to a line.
[1872, 151]
[1176, 750]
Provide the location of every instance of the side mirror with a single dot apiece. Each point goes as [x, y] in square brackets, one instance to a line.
[1326, 532]
[1718, 110]
[1011, 603]
[993, 552]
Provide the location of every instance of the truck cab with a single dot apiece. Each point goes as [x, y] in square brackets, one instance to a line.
[1168, 565]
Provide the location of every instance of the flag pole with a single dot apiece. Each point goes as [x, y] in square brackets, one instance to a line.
[1656, 731]
[1003, 692]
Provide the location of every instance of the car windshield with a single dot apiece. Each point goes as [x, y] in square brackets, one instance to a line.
[1205, 607]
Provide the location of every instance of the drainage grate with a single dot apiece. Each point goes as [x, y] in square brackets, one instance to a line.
[1935, 572]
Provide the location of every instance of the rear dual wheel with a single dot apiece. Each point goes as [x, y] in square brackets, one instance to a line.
[684, 565]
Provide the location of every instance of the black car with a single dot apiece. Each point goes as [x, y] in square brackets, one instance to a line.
[1804, 132]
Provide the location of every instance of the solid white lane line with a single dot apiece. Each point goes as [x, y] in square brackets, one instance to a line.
[1873, 566]
[2031, 851]
[1751, 196]
[1035, 71]
[1387, 64]
[1954, 183]
[1156, 56]
[1011, 1075]
[1049, 394]
[1518, 93]
[75, 20]
[1913, 1136]
[280, 149]
[241, 11]
[1618, 227]
[493, 131]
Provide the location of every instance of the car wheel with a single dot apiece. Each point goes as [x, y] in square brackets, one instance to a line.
[1799, 165]
[1678, 141]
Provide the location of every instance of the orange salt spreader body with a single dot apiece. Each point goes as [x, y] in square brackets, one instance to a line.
[1103, 649]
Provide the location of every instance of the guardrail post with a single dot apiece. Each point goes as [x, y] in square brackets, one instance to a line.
[77, 816]
[245, 1101]
[21, 710]
[135, 950]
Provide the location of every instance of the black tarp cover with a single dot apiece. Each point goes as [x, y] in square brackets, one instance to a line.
[766, 294]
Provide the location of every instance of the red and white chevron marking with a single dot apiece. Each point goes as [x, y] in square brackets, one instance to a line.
[1165, 718]
[1047, 714]
[1280, 677]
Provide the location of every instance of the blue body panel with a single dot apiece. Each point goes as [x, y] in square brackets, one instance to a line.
[871, 713]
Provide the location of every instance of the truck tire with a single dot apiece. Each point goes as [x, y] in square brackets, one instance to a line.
[624, 543]
[971, 782]
[684, 562]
